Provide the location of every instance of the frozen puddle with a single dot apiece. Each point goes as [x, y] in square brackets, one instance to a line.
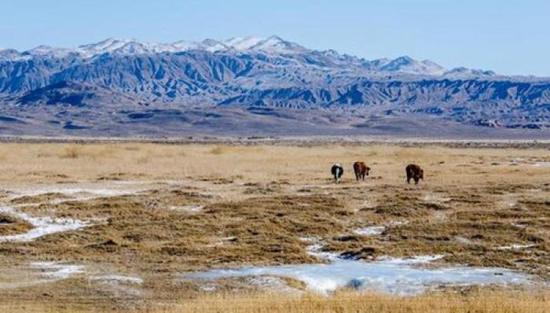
[377, 230]
[42, 226]
[390, 275]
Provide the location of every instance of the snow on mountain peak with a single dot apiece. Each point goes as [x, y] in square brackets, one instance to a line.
[269, 45]
[406, 64]
[48, 51]
[243, 43]
[212, 45]
[276, 44]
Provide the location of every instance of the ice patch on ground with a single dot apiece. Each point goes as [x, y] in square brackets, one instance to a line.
[309, 239]
[316, 250]
[389, 275]
[187, 208]
[370, 230]
[542, 164]
[115, 278]
[42, 226]
[463, 240]
[518, 225]
[37, 273]
[209, 288]
[220, 241]
[119, 285]
[516, 247]
[376, 230]
[272, 283]
[57, 271]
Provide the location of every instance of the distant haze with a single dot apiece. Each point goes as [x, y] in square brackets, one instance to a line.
[509, 37]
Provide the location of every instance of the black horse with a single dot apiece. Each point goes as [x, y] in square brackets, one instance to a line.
[337, 171]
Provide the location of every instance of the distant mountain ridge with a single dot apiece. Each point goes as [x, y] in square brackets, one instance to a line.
[270, 45]
[127, 86]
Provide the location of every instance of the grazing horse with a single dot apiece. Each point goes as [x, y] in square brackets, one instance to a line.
[414, 172]
[361, 170]
[337, 171]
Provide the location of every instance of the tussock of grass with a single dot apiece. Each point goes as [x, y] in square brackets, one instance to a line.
[10, 225]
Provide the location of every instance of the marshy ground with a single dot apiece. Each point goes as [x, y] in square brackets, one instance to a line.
[138, 216]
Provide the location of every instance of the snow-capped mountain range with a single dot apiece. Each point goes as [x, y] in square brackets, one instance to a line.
[270, 45]
[253, 85]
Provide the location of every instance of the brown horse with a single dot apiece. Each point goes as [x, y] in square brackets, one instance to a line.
[414, 172]
[361, 170]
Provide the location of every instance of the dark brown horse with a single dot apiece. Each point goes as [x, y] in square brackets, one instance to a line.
[414, 172]
[361, 170]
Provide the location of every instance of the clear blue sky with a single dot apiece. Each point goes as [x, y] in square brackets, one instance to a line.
[508, 36]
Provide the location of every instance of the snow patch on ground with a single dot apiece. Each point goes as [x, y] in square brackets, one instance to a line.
[115, 278]
[463, 240]
[316, 250]
[37, 273]
[519, 225]
[370, 230]
[376, 230]
[119, 285]
[516, 247]
[187, 208]
[272, 283]
[389, 275]
[42, 226]
[209, 288]
[57, 271]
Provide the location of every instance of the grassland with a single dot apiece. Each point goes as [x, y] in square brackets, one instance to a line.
[197, 207]
[488, 302]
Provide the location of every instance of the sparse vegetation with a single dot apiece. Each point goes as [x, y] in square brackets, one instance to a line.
[202, 207]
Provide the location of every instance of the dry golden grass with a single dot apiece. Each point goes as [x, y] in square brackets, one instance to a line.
[353, 302]
[46, 162]
[10, 225]
[258, 201]
[476, 302]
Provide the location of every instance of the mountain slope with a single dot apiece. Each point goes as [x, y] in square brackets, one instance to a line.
[126, 85]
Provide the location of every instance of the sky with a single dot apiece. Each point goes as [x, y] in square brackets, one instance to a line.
[507, 36]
